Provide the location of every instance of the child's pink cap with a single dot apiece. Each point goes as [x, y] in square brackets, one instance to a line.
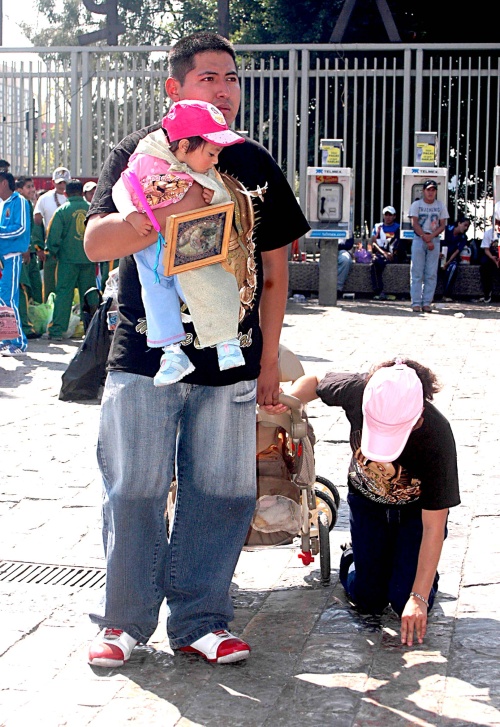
[393, 400]
[198, 118]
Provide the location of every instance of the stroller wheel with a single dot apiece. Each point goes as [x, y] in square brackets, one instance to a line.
[330, 487]
[326, 504]
[324, 548]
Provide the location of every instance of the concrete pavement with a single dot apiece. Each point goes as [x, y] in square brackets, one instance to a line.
[314, 660]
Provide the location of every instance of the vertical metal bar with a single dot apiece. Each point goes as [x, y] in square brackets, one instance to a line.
[373, 135]
[419, 79]
[31, 123]
[459, 103]
[125, 97]
[97, 163]
[478, 121]
[252, 97]
[467, 132]
[440, 100]
[107, 108]
[75, 119]
[280, 115]
[304, 125]
[242, 75]
[393, 131]
[383, 135]
[486, 136]
[363, 143]
[291, 125]
[87, 116]
[405, 141]
[317, 93]
[271, 105]
[144, 85]
[335, 97]
[431, 83]
[133, 99]
[261, 101]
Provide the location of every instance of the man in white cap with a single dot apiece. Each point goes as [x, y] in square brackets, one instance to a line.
[402, 480]
[44, 210]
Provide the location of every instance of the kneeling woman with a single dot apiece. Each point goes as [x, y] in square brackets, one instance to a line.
[402, 480]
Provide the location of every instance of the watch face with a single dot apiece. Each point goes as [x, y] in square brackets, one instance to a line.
[329, 202]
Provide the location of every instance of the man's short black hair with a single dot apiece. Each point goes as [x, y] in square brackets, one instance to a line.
[181, 57]
[10, 179]
[21, 181]
[4, 165]
[74, 188]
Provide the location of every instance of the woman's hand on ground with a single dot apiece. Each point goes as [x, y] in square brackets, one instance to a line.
[413, 620]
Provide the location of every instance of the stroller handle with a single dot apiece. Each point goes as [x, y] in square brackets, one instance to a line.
[299, 425]
[291, 402]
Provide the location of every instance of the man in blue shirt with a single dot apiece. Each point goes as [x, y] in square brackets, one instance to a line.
[15, 230]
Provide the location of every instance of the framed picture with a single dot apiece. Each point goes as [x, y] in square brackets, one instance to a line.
[197, 238]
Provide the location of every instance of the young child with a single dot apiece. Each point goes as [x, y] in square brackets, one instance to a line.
[165, 169]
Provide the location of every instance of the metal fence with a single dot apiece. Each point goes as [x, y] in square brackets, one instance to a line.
[70, 106]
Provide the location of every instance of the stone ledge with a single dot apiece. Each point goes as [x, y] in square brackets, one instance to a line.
[304, 277]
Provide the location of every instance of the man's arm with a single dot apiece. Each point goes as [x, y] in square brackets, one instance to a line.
[414, 617]
[272, 311]
[109, 237]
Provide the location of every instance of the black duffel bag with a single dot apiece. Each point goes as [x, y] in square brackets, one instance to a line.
[87, 369]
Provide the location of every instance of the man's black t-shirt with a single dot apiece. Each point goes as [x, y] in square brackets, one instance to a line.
[279, 221]
[424, 475]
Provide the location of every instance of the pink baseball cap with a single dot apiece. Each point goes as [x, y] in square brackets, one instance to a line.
[393, 400]
[198, 118]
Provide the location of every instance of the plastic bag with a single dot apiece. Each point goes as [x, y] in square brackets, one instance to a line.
[88, 310]
[9, 327]
[363, 257]
[74, 320]
[40, 314]
[87, 370]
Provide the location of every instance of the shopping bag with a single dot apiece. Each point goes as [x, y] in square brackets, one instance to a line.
[40, 314]
[87, 369]
[9, 328]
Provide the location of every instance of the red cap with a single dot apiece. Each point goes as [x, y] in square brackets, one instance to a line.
[198, 118]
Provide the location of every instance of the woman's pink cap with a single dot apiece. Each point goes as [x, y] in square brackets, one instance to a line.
[393, 400]
[199, 118]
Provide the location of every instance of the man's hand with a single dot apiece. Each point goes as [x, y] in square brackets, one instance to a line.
[268, 388]
[413, 620]
[26, 256]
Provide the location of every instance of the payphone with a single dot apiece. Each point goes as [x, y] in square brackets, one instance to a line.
[330, 195]
[426, 155]
[330, 212]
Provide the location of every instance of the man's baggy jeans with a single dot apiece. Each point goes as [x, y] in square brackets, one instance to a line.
[216, 495]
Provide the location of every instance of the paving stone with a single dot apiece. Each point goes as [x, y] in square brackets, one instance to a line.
[314, 660]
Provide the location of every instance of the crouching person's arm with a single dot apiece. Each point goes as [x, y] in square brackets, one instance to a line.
[414, 616]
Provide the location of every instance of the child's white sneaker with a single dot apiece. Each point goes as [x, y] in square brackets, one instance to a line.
[229, 354]
[174, 365]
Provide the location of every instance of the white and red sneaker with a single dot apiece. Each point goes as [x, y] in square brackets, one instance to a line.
[219, 647]
[111, 648]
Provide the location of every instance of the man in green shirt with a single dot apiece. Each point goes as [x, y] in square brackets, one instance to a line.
[74, 269]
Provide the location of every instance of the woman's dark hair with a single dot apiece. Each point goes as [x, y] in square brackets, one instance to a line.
[460, 219]
[195, 142]
[428, 378]
[181, 57]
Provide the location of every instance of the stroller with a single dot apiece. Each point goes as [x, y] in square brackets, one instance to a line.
[291, 499]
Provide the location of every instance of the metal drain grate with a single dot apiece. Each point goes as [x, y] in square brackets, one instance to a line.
[52, 575]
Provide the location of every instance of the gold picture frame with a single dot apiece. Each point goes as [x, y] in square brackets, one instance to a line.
[197, 238]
